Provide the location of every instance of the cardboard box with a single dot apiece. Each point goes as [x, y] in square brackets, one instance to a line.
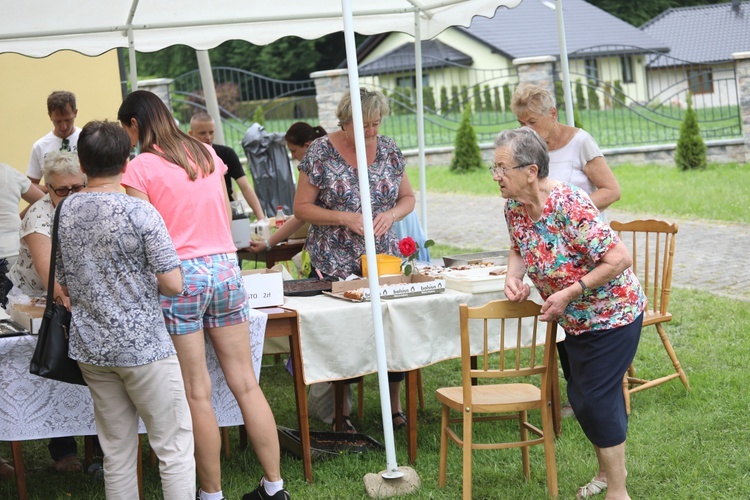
[264, 287]
[301, 233]
[391, 287]
[29, 317]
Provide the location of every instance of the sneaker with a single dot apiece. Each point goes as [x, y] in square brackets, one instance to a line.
[260, 494]
[567, 411]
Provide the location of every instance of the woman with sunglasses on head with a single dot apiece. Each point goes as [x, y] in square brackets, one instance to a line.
[184, 180]
[30, 274]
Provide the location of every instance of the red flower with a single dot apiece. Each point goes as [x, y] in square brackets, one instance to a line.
[407, 246]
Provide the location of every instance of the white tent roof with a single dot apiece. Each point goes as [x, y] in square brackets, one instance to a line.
[38, 28]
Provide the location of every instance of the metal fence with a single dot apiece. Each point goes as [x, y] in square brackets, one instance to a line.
[244, 98]
[628, 96]
[449, 90]
[623, 95]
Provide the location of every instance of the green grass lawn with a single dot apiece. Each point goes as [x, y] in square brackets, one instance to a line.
[720, 192]
[680, 445]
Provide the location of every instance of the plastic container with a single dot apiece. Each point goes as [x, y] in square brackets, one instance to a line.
[387, 264]
[477, 280]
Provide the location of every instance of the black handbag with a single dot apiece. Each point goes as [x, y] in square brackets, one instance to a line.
[50, 359]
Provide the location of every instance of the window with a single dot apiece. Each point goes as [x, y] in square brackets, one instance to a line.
[592, 72]
[701, 81]
[410, 82]
[627, 69]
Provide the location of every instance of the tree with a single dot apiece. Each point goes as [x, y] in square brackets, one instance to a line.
[466, 154]
[455, 102]
[428, 98]
[691, 150]
[477, 99]
[498, 101]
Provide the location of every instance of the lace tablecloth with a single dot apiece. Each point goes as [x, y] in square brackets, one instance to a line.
[33, 407]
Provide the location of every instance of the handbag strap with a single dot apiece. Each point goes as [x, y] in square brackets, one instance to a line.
[53, 258]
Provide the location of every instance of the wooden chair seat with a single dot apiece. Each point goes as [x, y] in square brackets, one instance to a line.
[652, 246]
[490, 389]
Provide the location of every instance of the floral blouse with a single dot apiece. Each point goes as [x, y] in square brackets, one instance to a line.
[334, 250]
[563, 246]
[38, 219]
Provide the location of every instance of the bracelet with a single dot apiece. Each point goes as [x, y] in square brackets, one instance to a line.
[584, 288]
[268, 247]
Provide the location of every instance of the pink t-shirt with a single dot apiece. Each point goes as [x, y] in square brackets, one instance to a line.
[194, 212]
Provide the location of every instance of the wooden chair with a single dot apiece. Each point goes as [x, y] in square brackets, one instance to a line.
[493, 398]
[652, 244]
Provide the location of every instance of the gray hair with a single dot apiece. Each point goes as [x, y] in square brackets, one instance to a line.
[60, 163]
[530, 97]
[526, 147]
[374, 105]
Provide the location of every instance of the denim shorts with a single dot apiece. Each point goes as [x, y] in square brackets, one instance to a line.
[212, 296]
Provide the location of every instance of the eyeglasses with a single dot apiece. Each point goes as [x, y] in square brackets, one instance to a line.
[65, 191]
[65, 146]
[494, 169]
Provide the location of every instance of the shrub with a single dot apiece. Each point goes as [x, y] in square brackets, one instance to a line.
[258, 116]
[477, 99]
[580, 102]
[487, 99]
[607, 95]
[455, 101]
[444, 105]
[428, 98]
[498, 102]
[466, 155]
[619, 101]
[691, 150]
[593, 97]
[507, 94]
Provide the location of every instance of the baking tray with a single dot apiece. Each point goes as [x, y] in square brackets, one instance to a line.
[306, 287]
[498, 257]
[9, 328]
[327, 444]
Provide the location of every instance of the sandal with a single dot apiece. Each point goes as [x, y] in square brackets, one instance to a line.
[346, 426]
[593, 487]
[7, 471]
[68, 464]
[402, 423]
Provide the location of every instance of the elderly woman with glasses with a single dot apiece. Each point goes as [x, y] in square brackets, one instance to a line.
[30, 274]
[583, 272]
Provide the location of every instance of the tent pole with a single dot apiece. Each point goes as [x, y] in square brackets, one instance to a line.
[209, 93]
[131, 58]
[372, 269]
[564, 62]
[420, 120]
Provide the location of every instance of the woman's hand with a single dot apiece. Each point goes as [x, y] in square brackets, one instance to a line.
[257, 246]
[354, 222]
[516, 290]
[554, 306]
[383, 222]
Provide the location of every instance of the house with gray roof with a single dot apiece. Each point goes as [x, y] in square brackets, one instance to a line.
[702, 40]
[602, 50]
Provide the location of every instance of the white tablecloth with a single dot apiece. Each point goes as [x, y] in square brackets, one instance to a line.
[337, 336]
[33, 407]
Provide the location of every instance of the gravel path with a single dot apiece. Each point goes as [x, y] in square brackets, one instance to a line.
[709, 256]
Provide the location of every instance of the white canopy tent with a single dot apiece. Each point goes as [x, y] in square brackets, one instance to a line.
[38, 28]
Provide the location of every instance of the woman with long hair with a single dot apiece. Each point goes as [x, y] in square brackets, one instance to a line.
[184, 179]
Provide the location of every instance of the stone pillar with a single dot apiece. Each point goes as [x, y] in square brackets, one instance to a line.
[160, 87]
[537, 70]
[330, 87]
[742, 74]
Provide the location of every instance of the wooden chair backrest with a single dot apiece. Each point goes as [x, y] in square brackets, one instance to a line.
[651, 243]
[505, 318]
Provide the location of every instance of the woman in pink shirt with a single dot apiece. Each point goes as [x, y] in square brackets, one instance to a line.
[184, 180]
